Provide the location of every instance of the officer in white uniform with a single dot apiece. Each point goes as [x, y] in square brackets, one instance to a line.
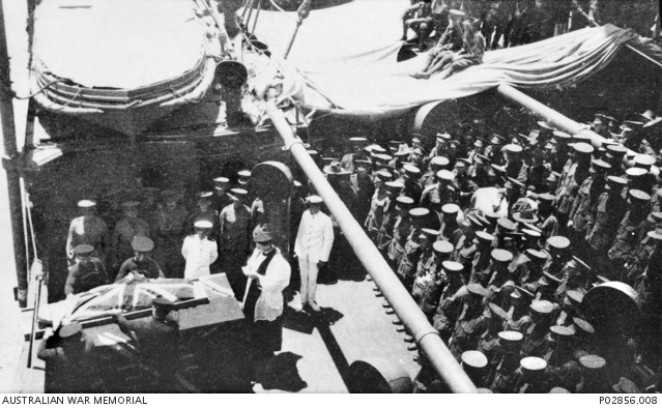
[312, 247]
[199, 251]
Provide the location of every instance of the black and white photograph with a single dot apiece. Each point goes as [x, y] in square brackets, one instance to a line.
[330, 197]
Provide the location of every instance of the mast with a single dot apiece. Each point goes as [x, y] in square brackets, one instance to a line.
[10, 163]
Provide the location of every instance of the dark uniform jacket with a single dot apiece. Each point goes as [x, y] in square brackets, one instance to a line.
[147, 267]
[85, 276]
[610, 210]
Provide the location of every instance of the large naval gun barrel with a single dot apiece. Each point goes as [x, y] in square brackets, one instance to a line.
[550, 115]
[427, 338]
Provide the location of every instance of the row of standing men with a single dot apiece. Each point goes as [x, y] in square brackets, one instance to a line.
[497, 267]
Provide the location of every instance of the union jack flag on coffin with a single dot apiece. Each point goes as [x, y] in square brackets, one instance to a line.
[132, 293]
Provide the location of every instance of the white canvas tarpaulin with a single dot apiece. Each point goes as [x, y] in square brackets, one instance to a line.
[376, 83]
[363, 77]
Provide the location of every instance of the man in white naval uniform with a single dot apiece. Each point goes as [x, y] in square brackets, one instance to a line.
[312, 247]
[199, 251]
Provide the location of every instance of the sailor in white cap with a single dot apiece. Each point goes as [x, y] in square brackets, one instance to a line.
[199, 251]
[268, 274]
[312, 248]
[221, 199]
[348, 162]
[87, 229]
[204, 211]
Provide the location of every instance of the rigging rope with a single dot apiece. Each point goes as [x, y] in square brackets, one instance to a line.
[26, 239]
[257, 15]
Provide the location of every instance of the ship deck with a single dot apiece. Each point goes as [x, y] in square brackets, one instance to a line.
[317, 350]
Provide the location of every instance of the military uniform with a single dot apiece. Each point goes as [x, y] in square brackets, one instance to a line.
[564, 370]
[433, 198]
[401, 230]
[364, 189]
[465, 251]
[489, 343]
[610, 210]
[146, 266]
[627, 238]
[84, 276]
[450, 231]
[536, 342]
[90, 230]
[554, 266]
[169, 232]
[480, 266]
[70, 362]
[549, 226]
[412, 252]
[219, 202]
[565, 194]
[532, 272]
[158, 345]
[645, 249]
[384, 235]
[467, 333]
[501, 284]
[465, 189]
[427, 179]
[125, 230]
[582, 213]
[412, 189]
[348, 161]
[506, 375]
[376, 215]
[449, 308]
[425, 281]
[233, 244]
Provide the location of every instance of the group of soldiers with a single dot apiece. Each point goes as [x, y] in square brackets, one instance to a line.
[506, 23]
[162, 236]
[499, 238]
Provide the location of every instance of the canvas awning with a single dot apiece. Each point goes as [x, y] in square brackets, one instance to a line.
[363, 77]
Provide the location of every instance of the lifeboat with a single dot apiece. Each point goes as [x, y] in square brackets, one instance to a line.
[123, 64]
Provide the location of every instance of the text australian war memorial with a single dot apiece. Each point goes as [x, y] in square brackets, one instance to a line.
[249, 195]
